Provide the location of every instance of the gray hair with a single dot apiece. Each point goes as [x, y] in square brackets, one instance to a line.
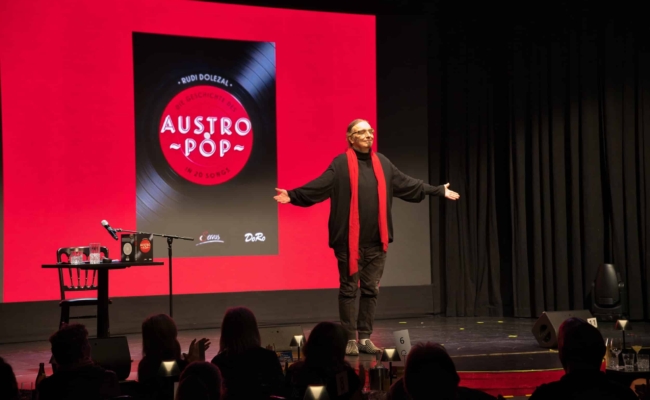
[352, 125]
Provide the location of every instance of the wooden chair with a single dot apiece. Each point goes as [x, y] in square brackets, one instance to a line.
[74, 279]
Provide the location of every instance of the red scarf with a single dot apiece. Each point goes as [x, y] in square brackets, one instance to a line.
[353, 236]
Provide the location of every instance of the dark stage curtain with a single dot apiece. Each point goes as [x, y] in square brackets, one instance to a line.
[545, 131]
[465, 240]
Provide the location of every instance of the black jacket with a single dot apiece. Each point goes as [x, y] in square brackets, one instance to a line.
[334, 184]
[256, 374]
[587, 385]
[83, 383]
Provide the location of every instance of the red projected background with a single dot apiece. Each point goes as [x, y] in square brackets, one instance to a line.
[66, 72]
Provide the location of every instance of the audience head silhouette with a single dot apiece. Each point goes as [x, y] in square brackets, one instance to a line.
[159, 338]
[8, 383]
[324, 365]
[430, 371]
[239, 331]
[70, 345]
[581, 349]
[580, 345]
[200, 381]
[76, 375]
[325, 347]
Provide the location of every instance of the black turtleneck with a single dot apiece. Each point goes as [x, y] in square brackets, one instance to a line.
[334, 184]
[368, 203]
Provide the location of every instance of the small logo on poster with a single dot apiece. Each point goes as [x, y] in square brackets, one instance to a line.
[206, 135]
[206, 238]
[258, 237]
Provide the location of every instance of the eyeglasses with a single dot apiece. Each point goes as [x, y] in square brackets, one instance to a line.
[363, 132]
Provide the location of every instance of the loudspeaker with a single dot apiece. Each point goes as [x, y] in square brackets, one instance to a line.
[112, 353]
[547, 326]
[279, 337]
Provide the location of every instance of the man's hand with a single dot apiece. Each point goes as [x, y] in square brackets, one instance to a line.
[282, 197]
[450, 194]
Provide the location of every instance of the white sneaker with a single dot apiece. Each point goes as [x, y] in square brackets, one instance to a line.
[351, 349]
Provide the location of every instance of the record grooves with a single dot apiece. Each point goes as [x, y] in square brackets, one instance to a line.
[205, 81]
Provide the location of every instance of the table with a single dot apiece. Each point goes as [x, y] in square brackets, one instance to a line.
[626, 378]
[102, 286]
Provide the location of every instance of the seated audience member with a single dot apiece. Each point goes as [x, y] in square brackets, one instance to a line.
[199, 381]
[248, 370]
[324, 365]
[76, 376]
[581, 349]
[8, 383]
[430, 373]
[160, 343]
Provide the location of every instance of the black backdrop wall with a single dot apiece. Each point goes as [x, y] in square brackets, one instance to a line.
[544, 124]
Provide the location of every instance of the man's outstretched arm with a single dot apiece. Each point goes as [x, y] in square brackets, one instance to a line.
[313, 192]
[415, 190]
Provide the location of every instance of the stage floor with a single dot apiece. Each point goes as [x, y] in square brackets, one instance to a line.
[477, 345]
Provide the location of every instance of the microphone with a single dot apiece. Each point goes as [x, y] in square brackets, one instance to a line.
[109, 229]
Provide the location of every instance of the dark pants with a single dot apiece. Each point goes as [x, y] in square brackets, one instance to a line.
[371, 268]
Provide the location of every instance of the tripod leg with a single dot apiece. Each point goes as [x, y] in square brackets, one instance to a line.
[169, 249]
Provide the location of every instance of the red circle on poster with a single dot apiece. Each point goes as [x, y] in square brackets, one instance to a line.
[145, 245]
[206, 135]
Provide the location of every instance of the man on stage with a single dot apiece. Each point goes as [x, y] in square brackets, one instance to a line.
[361, 185]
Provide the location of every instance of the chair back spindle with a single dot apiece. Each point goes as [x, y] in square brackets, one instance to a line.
[76, 280]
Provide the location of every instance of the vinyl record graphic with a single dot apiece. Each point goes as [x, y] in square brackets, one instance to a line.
[206, 143]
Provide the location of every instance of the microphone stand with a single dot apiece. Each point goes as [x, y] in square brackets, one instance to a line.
[170, 239]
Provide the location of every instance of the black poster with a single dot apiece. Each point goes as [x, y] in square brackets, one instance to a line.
[205, 132]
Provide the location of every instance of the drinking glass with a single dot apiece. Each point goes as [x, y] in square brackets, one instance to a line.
[628, 362]
[95, 255]
[609, 357]
[26, 391]
[76, 256]
[616, 346]
[635, 343]
[643, 362]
